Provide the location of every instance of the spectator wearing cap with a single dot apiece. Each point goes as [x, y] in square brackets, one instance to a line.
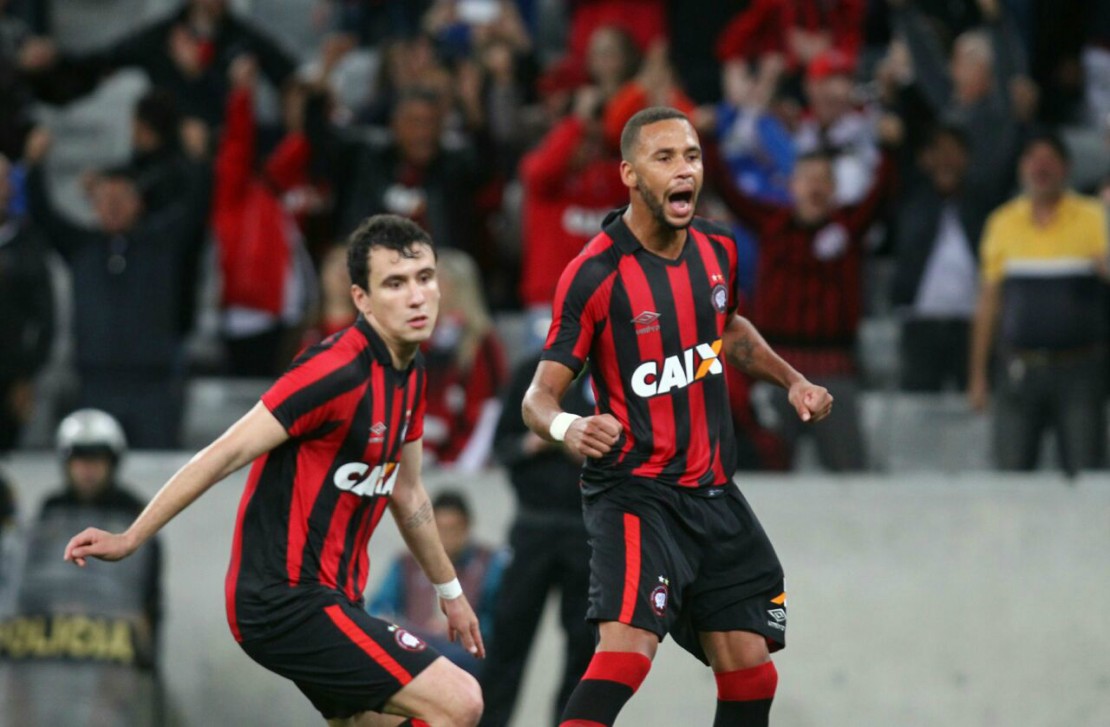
[835, 125]
[1042, 308]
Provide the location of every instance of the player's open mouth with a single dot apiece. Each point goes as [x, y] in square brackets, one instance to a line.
[681, 203]
[419, 322]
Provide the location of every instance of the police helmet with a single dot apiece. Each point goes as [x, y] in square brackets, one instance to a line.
[91, 432]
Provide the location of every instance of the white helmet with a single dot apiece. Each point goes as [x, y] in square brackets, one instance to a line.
[91, 431]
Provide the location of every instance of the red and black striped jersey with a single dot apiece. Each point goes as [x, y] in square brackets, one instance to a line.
[651, 330]
[311, 504]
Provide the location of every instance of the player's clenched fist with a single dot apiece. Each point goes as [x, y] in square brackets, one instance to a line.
[593, 436]
[813, 403]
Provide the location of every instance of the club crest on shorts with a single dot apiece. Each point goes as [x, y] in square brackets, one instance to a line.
[407, 640]
[659, 597]
[720, 298]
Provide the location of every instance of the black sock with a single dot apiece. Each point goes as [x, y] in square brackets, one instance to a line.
[611, 680]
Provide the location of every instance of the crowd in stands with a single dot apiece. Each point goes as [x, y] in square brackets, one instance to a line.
[918, 161]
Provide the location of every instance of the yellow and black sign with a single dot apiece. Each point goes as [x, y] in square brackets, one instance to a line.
[73, 637]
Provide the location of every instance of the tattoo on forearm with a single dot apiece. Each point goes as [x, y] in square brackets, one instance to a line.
[742, 353]
[420, 517]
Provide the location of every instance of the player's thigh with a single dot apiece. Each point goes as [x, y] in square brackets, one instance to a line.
[441, 694]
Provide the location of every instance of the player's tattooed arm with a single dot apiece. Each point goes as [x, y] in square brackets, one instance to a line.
[747, 350]
[422, 516]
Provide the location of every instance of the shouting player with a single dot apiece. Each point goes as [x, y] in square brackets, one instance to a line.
[334, 442]
[650, 302]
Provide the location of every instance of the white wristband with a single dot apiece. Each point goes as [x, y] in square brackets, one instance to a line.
[560, 424]
[450, 590]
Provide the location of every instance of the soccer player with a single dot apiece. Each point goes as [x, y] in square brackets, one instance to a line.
[334, 442]
[650, 302]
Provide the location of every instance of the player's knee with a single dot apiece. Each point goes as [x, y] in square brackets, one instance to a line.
[465, 708]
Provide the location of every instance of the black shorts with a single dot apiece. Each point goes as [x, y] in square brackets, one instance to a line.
[342, 658]
[676, 561]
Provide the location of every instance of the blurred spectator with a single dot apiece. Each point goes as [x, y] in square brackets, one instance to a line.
[549, 549]
[336, 310]
[836, 126]
[655, 84]
[26, 314]
[15, 94]
[1096, 66]
[980, 88]
[373, 22]
[571, 181]
[466, 368]
[188, 54]
[803, 30]
[808, 291]
[612, 59]
[90, 635]
[936, 277]
[414, 174]
[758, 448]
[407, 597]
[461, 27]
[126, 275]
[167, 167]
[643, 21]
[407, 64]
[1042, 256]
[267, 277]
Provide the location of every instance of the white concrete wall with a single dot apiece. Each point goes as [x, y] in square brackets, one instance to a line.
[923, 600]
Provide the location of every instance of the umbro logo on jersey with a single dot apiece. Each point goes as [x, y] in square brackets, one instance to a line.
[377, 432]
[652, 378]
[358, 479]
[646, 322]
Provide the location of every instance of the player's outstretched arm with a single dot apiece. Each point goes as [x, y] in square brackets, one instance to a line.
[591, 436]
[255, 433]
[747, 350]
[412, 511]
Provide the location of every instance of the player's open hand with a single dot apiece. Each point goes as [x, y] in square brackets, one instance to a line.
[812, 402]
[462, 625]
[93, 543]
[593, 436]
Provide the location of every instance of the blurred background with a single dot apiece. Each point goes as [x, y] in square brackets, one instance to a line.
[919, 192]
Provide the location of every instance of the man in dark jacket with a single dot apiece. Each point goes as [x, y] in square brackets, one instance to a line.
[936, 275]
[126, 277]
[549, 550]
[26, 314]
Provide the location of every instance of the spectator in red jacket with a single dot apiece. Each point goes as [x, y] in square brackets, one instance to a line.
[265, 271]
[802, 29]
[571, 180]
[466, 369]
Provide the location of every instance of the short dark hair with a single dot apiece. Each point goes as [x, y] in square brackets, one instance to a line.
[452, 500]
[816, 155]
[950, 131]
[389, 231]
[157, 108]
[1050, 139]
[651, 115]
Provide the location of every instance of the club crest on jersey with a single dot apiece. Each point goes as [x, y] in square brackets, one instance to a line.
[358, 478]
[659, 597]
[720, 298]
[377, 433]
[407, 640]
[653, 378]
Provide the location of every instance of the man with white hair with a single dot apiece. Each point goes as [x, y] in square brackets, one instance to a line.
[981, 88]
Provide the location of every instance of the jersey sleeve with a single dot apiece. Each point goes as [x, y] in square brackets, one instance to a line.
[576, 313]
[415, 431]
[304, 399]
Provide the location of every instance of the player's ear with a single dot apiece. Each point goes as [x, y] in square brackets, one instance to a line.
[628, 174]
[361, 299]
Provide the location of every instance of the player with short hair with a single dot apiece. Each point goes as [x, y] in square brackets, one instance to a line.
[335, 441]
[651, 302]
